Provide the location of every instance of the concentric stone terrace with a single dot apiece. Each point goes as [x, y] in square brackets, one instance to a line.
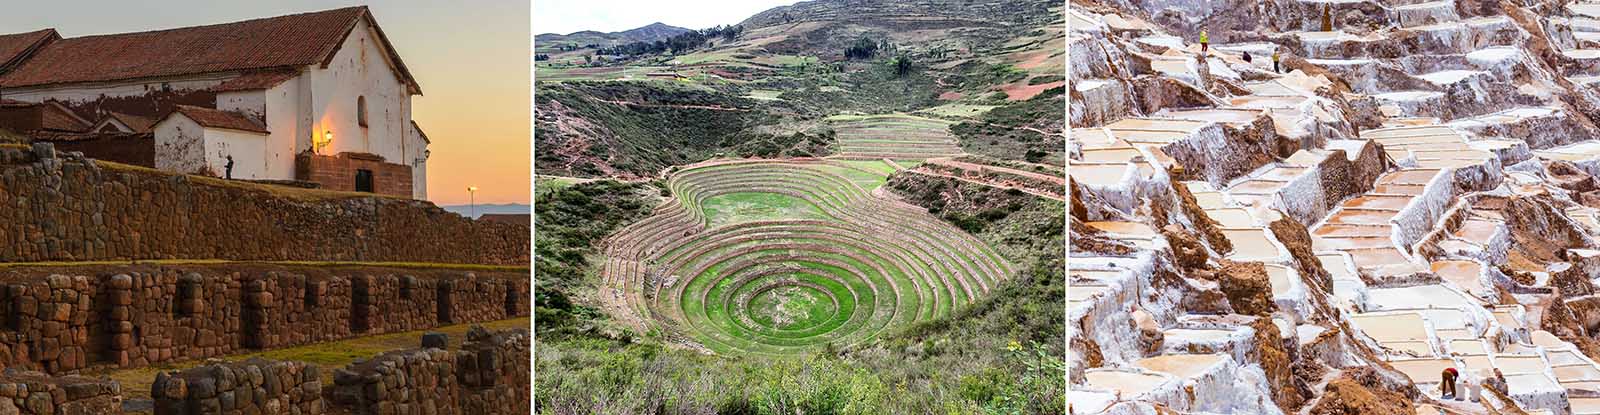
[775, 257]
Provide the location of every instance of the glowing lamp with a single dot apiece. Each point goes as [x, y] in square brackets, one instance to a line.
[327, 137]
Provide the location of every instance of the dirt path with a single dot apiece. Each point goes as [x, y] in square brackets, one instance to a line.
[994, 185]
[1037, 130]
[701, 107]
[946, 161]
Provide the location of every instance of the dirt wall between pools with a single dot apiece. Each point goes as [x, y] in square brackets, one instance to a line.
[63, 207]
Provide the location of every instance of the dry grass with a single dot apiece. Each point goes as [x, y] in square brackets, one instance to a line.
[329, 356]
[286, 192]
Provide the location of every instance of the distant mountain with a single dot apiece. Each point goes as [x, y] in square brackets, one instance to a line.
[831, 25]
[511, 208]
[650, 33]
[653, 32]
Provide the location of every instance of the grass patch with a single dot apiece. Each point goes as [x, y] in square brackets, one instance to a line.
[415, 265]
[586, 73]
[765, 94]
[286, 192]
[958, 110]
[755, 206]
[869, 174]
[330, 355]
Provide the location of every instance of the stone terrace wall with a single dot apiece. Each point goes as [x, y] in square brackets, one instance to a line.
[255, 386]
[34, 393]
[488, 375]
[494, 370]
[73, 209]
[134, 316]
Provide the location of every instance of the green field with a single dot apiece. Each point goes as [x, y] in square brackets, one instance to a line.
[543, 72]
[748, 206]
[958, 110]
[764, 94]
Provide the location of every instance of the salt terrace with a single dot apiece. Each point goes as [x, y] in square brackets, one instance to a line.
[1413, 192]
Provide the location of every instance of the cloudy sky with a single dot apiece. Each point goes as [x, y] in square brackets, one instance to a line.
[567, 16]
[471, 58]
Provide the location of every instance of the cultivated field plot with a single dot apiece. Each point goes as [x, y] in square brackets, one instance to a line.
[894, 136]
[778, 257]
[602, 73]
[958, 110]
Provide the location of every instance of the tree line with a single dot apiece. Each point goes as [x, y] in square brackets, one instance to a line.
[676, 44]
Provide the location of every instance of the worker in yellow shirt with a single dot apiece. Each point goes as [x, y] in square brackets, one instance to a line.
[1205, 42]
[1275, 61]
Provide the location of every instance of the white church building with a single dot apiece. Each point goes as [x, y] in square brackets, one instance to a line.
[317, 97]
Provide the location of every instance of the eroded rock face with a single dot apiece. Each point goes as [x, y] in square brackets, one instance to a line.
[1355, 392]
[1567, 176]
[1150, 336]
[1190, 254]
[1201, 294]
[1569, 280]
[1207, 227]
[1089, 354]
[1298, 240]
[1247, 287]
[1246, 148]
[1275, 361]
[1539, 229]
[1570, 322]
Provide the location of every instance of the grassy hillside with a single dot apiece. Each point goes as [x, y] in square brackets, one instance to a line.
[570, 219]
[858, 81]
[1001, 354]
[1027, 130]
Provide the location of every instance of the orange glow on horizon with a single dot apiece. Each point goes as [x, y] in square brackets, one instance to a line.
[476, 111]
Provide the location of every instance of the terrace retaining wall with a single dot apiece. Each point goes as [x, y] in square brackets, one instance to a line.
[134, 316]
[250, 387]
[34, 393]
[487, 375]
[70, 208]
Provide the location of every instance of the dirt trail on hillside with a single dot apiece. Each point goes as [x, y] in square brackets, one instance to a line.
[700, 107]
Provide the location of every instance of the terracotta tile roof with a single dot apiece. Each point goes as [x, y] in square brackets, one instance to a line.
[137, 123]
[213, 118]
[419, 132]
[58, 118]
[15, 47]
[255, 80]
[283, 42]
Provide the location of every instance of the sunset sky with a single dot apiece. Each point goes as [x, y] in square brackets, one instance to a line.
[470, 57]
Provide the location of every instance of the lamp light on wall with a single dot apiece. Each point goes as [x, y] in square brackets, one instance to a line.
[472, 202]
[318, 145]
